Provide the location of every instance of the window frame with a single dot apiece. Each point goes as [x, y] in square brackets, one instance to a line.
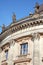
[6, 54]
[23, 51]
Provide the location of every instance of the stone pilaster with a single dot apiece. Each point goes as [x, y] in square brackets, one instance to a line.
[36, 49]
[11, 52]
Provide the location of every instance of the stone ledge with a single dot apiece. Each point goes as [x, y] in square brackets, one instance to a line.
[22, 60]
[4, 62]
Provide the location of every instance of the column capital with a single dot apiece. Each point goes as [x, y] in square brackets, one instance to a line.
[35, 36]
[12, 42]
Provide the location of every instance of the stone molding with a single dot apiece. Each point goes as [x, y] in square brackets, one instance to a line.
[35, 36]
[22, 26]
[12, 42]
[22, 60]
[25, 32]
[4, 63]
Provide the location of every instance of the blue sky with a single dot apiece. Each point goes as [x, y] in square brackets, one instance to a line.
[21, 8]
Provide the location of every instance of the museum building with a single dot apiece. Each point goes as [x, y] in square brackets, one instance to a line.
[21, 43]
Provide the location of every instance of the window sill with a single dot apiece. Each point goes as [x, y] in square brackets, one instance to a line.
[22, 60]
[21, 55]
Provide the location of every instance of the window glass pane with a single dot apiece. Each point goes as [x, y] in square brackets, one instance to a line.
[6, 54]
[24, 48]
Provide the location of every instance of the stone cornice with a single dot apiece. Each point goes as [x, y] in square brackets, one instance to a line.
[25, 20]
[26, 32]
[21, 25]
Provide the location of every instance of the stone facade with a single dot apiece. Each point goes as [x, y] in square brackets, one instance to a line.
[21, 43]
